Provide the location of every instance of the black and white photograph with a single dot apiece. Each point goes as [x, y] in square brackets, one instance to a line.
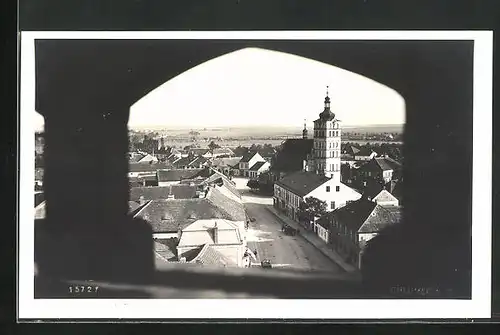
[257, 174]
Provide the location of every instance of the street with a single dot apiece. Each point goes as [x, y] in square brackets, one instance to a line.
[265, 236]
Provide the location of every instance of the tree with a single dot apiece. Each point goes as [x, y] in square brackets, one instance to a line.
[253, 184]
[311, 208]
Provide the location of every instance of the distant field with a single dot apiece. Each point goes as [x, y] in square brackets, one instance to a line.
[248, 143]
[231, 144]
[238, 132]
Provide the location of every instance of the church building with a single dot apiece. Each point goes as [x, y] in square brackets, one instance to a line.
[320, 174]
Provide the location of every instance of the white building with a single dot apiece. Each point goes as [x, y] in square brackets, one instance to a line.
[321, 176]
[225, 236]
[258, 168]
[248, 161]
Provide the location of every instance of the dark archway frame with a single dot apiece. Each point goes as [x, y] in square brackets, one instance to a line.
[84, 89]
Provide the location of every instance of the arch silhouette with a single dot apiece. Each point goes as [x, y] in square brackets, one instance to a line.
[84, 89]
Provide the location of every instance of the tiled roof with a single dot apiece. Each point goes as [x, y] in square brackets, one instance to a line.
[257, 166]
[365, 216]
[223, 151]
[182, 162]
[380, 218]
[199, 151]
[232, 206]
[384, 196]
[223, 162]
[364, 152]
[216, 177]
[180, 191]
[292, 154]
[172, 215]
[352, 150]
[203, 231]
[166, 248]
[267, 152]
[247, 157]
[146, 167]
[177, 174]
[198, 161]
[387, 163]
[209, 256]
[372, 189]
[302, 183]
[136, 158]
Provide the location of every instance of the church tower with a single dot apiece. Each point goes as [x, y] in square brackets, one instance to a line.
[326, 147]
[304, 131]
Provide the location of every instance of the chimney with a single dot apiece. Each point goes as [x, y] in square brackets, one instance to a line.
[170, 195]
[216, 234]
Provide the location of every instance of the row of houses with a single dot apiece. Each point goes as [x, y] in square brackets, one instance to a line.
[357, 186]
[196, 217]
[348, 228]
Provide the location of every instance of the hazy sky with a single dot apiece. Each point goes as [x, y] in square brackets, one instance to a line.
[258, 87]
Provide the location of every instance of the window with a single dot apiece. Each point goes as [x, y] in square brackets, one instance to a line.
[332, 205]
[337, 188]
[328, 188]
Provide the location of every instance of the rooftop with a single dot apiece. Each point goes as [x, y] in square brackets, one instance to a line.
[209, 256]
[302, 183]
[364, 152]
[170, 215]
[365, 216]
[292, 154]
[177, 174]
[199, 151]
[202, 232]
[387, 163]
[166, 249]
[180, 191]
[147, 167]
[222, 162]
[223, 151]
[257, 166]
[247, 157]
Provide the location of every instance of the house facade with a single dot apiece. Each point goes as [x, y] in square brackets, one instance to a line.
[224, 236]
[225, 165]
[247, 161]
[258, 168]
[364, 155]
[292, 190]
[222, 152]
[145, 169]
[352, 226]
[381, 169]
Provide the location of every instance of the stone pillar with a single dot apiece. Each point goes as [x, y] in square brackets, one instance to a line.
[87, 233]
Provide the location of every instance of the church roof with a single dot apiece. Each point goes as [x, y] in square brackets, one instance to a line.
[292, 154]
[326, 115]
